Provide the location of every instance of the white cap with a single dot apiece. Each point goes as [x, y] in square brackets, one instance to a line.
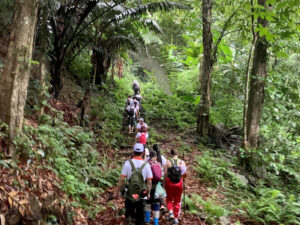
[138, 147]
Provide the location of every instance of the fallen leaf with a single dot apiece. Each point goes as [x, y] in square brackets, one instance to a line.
[22, 210]
[2, 218]
[24, 201]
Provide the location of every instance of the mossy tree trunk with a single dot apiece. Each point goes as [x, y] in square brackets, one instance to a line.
[15, 76]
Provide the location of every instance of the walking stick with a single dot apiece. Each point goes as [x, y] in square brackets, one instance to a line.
[184, 191]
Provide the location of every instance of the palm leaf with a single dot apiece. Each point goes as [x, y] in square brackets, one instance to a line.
[149, 7]
[152, 25]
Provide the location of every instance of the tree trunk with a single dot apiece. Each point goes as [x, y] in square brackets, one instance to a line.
[120, 68]
[249, 63]
[257, 83]
[101, 65]
[112, 77]
[42, 72]
[85, 107]
[203, 116]
[56, 79]
[15, 76]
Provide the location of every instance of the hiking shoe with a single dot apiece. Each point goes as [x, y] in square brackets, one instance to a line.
[175, 221]
[170, 216]
[163, 209]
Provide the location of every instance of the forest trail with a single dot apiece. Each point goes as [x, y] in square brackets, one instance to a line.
[114, 213]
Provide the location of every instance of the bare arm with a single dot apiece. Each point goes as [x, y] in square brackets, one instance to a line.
[120, 183]
[184, 175]
[149, 185]
[166, 171]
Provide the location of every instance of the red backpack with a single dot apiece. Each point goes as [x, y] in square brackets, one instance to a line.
[156, 171]
[143, 139]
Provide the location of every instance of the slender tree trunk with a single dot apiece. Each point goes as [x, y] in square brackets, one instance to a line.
[257, 84]
[56, 79]
[85, 107]
[15, 76]
[203, 116]
[249, 63]
[42, 72]
[112, 77]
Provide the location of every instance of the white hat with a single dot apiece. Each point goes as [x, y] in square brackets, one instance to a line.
[138, 147]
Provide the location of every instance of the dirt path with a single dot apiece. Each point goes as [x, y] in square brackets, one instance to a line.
[115, 208]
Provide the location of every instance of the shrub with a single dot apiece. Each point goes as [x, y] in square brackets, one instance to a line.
[217, 171]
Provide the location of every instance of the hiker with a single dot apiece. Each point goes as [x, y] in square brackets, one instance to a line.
[138, 98]
[140, 124]
[136, 87]
[142, 136]
[154, 202]
[129, 103]
[163, 161]
[137, 106]
[175, 172]
[131, 118]
[136, 171]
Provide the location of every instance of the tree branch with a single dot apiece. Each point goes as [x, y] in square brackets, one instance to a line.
[215, 49]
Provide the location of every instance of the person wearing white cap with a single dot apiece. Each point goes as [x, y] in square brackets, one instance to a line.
[135, 210]
[141, 124]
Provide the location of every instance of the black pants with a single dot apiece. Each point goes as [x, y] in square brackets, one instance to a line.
[130, 121]
[152, 192]
[135, 211]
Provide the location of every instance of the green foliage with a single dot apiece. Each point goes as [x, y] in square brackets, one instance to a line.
[272, 206]
[70, 154]
[217, 171]
[180, 80]
[81, 66]
[109, 116]
[6, 13]
[170, 110]
[212, 211]
[108, 109]
[228, 111]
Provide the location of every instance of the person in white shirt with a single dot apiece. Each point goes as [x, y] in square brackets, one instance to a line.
[140, 124]
[135, 211]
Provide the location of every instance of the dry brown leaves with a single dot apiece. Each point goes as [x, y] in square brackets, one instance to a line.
[26, 192]
[69, 109]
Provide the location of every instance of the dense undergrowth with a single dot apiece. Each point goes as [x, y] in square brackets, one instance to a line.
[70, 152]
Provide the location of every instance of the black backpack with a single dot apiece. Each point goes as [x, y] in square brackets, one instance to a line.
[174, 172]
[130, 111]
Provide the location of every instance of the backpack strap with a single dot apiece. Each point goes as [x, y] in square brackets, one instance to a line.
[142, 167]
[133, 167]
[132, 164]
[174, 162]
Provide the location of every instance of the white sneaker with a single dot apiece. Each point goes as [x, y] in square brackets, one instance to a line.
[175, 221]
[170, 216]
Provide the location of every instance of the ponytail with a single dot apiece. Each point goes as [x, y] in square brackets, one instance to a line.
[156, 149]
